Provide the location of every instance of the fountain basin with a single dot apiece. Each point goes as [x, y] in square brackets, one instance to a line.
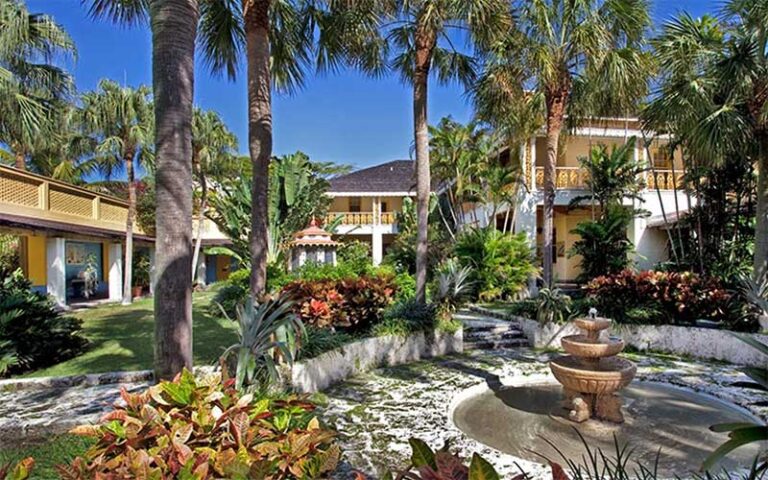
[609, 374]
[592, 324]
[583, 346]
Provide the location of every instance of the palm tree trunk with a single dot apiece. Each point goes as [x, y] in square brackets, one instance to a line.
[761, 225]
[200, 222]
[259, 136]
[556, 102]
[128, 265]
[174, 29]
[424, 43]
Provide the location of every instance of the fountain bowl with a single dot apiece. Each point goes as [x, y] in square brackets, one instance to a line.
[610, 374]
[583, 346]
[592, 324]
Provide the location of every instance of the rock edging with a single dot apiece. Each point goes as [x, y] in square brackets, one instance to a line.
[319, 373]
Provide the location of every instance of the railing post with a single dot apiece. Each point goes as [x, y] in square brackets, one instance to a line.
[96, 208]
[43, 196]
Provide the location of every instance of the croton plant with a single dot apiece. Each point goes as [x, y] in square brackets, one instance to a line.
[203, 429]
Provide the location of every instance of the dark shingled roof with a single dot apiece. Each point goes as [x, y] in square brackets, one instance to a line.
[395, 176]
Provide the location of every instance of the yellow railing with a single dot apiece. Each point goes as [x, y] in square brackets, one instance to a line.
[351, 218]
[361, 218]
[387, 218]
[576, 177]
[665, 179]
[565, 177]
[29, 195]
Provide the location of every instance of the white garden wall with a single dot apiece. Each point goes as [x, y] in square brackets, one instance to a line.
[319, 373]
[695, 342]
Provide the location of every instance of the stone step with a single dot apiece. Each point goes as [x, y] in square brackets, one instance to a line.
[492, 329]
[495, 344]
[484, 335]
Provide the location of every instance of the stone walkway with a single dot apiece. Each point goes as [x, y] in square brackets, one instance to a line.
[378, 412]
[38, 413]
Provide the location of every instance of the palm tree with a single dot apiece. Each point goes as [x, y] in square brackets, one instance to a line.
[67, 152]
[30, 84]
[121, 120]
[420, 33]
[713, 95]
[213, 156]
[566, 58]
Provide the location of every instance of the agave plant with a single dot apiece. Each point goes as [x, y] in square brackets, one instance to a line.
[743, 433]
[267, 332]
[554, 306]
[453, 284]
[756, 293]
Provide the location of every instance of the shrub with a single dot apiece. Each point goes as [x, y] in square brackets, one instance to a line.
[9, 255]
[317, 341]
[31, 330]
[355, 256]
[351, 304]
[663, 297]
[501, 263]
[553, 306]
[603, 244]
[527, 308]
[204, 430]
[405, 317]
[232, 292]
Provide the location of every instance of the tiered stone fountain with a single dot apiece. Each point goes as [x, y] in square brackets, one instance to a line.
[592, 373]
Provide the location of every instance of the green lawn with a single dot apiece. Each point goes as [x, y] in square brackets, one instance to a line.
[122, 338]
[59, 450]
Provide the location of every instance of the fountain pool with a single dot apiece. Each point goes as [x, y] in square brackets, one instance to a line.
[657, 418]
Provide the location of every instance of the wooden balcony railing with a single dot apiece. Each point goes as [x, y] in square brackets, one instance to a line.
[576, 178]
[565, 177]
[29, 195]
[361, 218]
[665, 179]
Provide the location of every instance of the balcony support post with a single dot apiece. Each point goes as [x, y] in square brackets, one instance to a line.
[525, 221]
[377, 246]
[56, 285]
[532, 163]
[116, 272]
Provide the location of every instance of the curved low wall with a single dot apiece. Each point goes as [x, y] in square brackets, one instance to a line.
[321, 372]
[704, 343]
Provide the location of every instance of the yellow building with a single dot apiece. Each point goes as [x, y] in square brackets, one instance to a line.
[65, 230]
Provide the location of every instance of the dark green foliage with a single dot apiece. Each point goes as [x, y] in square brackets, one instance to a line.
[418, 316]
[603, 244]
[526, 308]
[231, 293]
[501, 264]
[32, 330]
[141, 269]
[317, 341]
[9, 255]
[355, 256]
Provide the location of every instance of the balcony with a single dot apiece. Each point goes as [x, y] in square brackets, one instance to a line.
[36, 197]
[576, 178]
[361, 218]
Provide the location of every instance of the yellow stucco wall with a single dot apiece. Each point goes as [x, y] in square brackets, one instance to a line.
[565, 269]
[223, 263]
[576, 147]
[37, 264]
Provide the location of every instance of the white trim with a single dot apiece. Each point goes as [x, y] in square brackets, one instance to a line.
[371, 194]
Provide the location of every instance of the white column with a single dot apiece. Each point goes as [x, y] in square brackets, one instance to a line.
[152, 270]
[201, 269]
[56, 261]
[377, 210]
[377, 246]
[525, 221]
[115, 272]
[532, 164]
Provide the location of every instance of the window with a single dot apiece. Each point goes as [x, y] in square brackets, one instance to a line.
[354, 204]
[662, 157]
[384, 207]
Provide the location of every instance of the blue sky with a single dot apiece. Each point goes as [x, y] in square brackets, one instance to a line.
[345, 118]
